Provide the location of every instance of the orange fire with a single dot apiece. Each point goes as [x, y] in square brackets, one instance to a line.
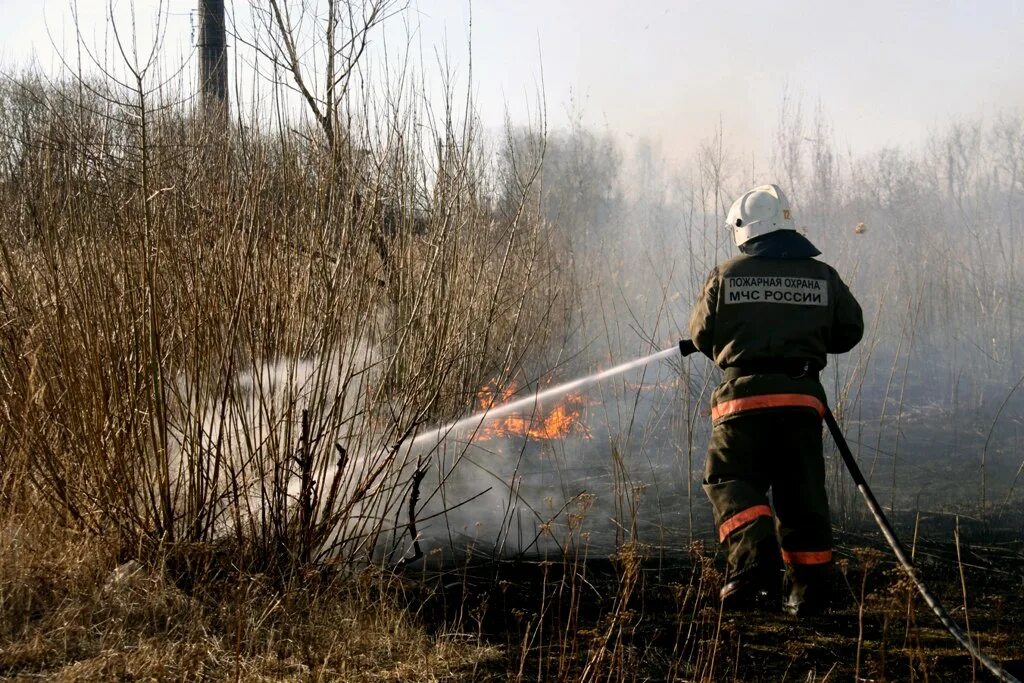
[563, 420]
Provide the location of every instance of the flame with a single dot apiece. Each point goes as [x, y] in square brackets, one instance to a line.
[563, 420]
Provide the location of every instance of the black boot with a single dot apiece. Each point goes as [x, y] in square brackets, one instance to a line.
[753, 592]
[807, 599]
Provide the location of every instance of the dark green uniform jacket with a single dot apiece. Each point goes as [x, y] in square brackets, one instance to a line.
[756, 310]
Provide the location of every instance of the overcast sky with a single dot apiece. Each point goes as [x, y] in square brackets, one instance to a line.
[885, 71]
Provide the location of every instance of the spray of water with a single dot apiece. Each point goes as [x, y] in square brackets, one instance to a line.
[474, 421]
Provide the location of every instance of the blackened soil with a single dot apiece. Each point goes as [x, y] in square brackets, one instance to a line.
[637, 616]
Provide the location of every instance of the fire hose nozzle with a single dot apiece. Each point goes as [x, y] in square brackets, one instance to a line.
[686, 347]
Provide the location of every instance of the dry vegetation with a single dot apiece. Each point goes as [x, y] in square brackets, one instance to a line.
[217, 343]
[214, 344]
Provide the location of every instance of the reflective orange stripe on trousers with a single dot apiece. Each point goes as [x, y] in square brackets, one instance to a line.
[739, 405]
[807, 557]
[742, 517]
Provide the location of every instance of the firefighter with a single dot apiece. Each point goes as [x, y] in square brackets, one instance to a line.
[768, 317]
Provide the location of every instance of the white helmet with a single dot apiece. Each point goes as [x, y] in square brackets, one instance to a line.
[758, 212]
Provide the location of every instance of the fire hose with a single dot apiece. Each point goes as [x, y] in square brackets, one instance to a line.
[687, 347]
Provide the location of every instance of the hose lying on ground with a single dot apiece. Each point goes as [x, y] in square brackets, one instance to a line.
[901, 555]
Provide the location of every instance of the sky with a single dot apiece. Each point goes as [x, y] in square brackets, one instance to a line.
[884, 72]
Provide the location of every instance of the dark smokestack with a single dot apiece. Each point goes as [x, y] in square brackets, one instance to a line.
[213, 56]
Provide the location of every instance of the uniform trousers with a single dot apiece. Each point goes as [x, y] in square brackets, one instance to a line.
[776, 451]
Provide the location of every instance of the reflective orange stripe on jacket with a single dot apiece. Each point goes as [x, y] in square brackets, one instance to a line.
[807, 557]
[742, 517]
[739, 405]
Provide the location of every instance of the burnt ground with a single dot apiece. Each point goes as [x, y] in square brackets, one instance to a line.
[640, 616]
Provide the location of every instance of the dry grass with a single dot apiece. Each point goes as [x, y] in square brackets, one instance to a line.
[71, 613]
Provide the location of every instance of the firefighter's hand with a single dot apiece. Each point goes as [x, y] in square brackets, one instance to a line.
[686, 347]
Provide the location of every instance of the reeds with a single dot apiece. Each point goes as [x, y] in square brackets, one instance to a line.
[214, 339]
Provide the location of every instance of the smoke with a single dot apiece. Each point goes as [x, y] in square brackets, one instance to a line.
[289, 433]
[460, 487]
[927, 238]
[596, 486]
[928, 399]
